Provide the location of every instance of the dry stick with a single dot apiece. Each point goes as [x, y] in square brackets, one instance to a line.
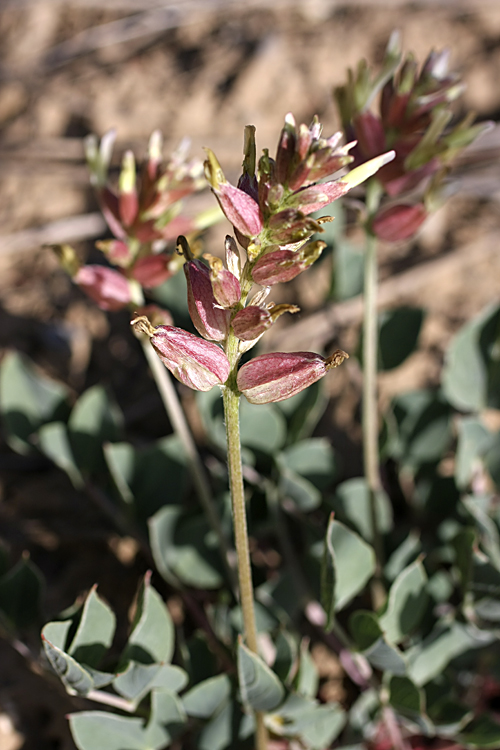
[231, 399]
[370, 401]
[178, 420]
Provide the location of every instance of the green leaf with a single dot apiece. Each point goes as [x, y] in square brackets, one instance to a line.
[348, 564]
[120, 458]
[95, 420]
[482, 733]
[72, 675]
[286, 655]
[424, 428]
[313, 459]
[472, 371]
[315, 726]
[399, 330]
[139, 679]
[464, 544]
[386, 657]
[95, 631]
[20, 594]
[204, 699]
[474, 439]
[307, 678]
[163, 464]
[352, 503]
[262, 427]
[57, 632]
[180, 551]
[408, 549]
[490, 538]
[407, 603]
[28, 399]
[302, 492]
[428, 659]
[54, 442]
[152, 638]
[303, 412]
[166, 719]
[259, 686]
[229, 728]
[405, 696]
[368, 635]
[98, 730]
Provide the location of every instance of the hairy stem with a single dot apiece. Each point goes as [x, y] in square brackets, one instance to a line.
[179, 425]
[231, 399]
[370, 402]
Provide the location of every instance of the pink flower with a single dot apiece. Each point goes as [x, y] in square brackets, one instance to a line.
[197, 363]
[284, 265]
[277, 376]
[109, 288]
[152, 270]
[209, 318]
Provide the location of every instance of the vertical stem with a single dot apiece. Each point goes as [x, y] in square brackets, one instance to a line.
[178, 421]
[370, 403]
[231, 399]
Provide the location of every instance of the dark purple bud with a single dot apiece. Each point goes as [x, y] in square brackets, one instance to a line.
[285, 155]
[197, 363]
[277, 376]
[370, 134]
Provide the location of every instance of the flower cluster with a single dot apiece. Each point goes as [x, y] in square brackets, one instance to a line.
[143, 213]
[270, 210]
[413, 119]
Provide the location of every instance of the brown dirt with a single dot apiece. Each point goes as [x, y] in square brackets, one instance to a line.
[224, 66]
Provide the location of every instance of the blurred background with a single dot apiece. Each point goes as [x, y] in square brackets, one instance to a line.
[202, 69]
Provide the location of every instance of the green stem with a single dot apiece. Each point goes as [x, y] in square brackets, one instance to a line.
[370, 401]
[180, 427]
[231, 399]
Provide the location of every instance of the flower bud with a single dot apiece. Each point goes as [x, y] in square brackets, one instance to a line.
[129, 203]
[109, 288]
[116, 251]
[197, 363]
[152, 270]
[110, 208]
[239, 208]
[225, 286]
[277, 376]
[398, 222]
[291, 225]
[209, 318]
[251, 322]
[284, 265]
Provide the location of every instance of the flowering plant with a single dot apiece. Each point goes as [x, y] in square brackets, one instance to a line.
[270, 210]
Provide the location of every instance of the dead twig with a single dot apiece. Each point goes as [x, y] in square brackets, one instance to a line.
[70, 229]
